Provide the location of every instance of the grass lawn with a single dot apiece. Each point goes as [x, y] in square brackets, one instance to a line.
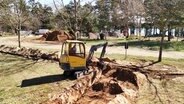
[154, 45]
[25, 81]
[109, 40]
[179, 63]
[146, 44]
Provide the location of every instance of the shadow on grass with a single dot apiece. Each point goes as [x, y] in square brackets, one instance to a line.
[99, 41]
[152, 45]
[154, 62]
[91, 40]
[44, 80]
[14, 64]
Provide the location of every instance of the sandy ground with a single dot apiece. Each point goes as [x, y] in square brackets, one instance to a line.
[55, 46]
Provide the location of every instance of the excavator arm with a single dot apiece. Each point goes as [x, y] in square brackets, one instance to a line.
[100, 64]
[93, 49]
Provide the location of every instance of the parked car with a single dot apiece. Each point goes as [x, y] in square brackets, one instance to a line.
[41, 31]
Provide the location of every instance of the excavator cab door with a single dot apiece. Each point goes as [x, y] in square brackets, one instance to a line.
[77, 56]
[64, 58]
[73, 56]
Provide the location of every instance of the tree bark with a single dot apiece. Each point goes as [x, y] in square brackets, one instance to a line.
[19, 43]
[18, 32]
[75, 25]
[182, 32]
[161, 46]
[146, 32]
[140, 23]
[169, 33]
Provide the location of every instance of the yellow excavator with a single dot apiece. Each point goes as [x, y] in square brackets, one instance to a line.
[74, 60]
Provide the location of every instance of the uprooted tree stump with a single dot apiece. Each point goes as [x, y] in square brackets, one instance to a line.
[113, 85]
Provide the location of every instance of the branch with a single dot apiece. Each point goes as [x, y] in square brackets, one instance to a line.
[68, 23]
[86, 14]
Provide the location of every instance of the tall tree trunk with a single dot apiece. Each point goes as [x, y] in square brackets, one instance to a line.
[182, 32]
[18, 32]
[177, 33]
[140, 22]
[75, 25]
[126, 18]
[19, 43]
[161, 46]
[146, 32]
[126, 31]
[169, 33]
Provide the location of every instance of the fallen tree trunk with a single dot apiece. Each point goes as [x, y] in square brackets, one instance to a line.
[30, 53]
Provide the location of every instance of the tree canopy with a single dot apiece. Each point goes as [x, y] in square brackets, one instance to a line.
[93, 16]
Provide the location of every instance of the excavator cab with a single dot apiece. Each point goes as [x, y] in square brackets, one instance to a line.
[73, 56]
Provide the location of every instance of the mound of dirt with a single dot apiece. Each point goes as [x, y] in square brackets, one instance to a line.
[56, 36]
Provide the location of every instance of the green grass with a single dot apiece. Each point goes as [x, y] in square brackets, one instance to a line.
[26, 81]
[167, 61]
[154, 45]
[173, 45]
[146, 44]
[109, 40]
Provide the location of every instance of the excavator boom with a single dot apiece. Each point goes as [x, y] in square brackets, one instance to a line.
[93, 49]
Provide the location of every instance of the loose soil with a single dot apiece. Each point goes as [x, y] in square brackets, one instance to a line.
[109, 86]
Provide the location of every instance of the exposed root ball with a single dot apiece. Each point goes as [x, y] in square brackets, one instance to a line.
[111, 88]
[125, 76]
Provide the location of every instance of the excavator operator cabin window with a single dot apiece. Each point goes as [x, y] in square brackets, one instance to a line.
[82, 50]
[64, 49]
[77, 49]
